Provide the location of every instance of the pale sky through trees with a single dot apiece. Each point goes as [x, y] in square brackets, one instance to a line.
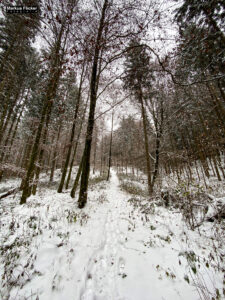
[161, 38]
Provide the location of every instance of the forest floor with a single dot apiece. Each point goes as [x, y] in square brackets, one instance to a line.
[119, 247]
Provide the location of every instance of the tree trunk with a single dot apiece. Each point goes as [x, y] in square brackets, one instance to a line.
[110, 150]
[63, 177]
[101, 167]
[95, 149]
[76, 181]
[4, 114]
[75, 149]
[34, 154]
[216, 169]
[10, 111]
[44, 140]
[150, 188]
[55, 154]
[50, 95]
[93, 97]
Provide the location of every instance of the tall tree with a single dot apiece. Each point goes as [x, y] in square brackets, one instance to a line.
[16, 34]
[56, 62]
[93, 98]
[138, 78]
[117, 21]
[110, 148]
[78, 100]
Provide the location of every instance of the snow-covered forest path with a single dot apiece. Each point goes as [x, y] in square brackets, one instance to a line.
[121, 267]
[119, 247]
[141, 256]
[107, 262]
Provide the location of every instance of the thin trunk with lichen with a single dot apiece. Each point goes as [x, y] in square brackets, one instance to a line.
[110, 151]
[76, 181]
[75, 149]
[41, 154]
[55, 153]
[148, 164]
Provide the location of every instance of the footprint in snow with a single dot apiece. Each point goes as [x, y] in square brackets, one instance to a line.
[121, 265]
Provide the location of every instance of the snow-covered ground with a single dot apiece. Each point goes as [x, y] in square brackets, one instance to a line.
[118, 247]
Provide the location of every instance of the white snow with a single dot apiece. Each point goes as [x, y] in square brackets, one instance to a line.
[110, 250]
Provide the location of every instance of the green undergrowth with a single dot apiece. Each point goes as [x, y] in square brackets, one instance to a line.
[129, 183]
[131, 177]
[97, 179]
[48, 184]
[132, 188]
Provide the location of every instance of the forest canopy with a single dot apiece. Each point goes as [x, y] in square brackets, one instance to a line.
[70, 69]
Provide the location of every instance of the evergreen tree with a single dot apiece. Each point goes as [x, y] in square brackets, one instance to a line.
[201, 24]
[138, 79]
[16, 32]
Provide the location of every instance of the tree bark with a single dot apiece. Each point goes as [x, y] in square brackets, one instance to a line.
[150, 188]
[55, 154]
[41, 154]
[76, 181]
[63, 177]
[50, 95]
[93, 97]
[110, 150]
[75, 149]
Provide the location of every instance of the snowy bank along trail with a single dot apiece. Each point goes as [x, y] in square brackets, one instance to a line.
[113, 249]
